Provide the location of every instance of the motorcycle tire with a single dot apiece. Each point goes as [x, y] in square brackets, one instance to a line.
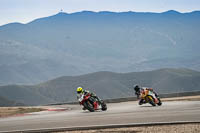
[88, 106]
[159, 103]
[142, 101]
[104, 106]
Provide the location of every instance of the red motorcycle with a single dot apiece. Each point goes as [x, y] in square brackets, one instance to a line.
[90, 103]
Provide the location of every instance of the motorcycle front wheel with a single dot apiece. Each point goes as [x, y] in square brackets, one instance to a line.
[88, 106]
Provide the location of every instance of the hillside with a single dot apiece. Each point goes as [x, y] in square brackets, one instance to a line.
[6, 103]
[23, 94]
[86, 42]
[104, 84]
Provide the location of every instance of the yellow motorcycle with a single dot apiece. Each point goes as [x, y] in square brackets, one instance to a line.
[148, 96]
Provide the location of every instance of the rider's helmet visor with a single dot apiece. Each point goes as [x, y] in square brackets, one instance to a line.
[78, 92]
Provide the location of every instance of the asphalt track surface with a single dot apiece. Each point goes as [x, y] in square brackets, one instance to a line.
[117, 113]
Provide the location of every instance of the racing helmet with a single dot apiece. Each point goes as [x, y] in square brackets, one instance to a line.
[137, 88]
[79, 90]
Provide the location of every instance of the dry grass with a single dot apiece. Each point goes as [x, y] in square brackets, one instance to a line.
[183, 128]
[11, 111]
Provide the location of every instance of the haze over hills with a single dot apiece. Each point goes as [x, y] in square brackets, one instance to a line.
[104, 84]
[6, 102]
[85, 42]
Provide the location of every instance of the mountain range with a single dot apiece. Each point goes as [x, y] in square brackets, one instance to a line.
[105, 84]
[5, 102]
[84, 42]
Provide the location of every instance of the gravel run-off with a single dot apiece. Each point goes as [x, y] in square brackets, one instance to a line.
[179, 128]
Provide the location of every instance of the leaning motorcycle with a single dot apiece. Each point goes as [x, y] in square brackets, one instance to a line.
[148, 96]
[90, 103]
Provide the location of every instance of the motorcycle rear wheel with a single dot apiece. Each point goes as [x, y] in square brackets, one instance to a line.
[159, 102]
[104, 106]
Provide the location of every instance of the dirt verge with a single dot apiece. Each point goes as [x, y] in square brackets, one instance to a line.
[184, 98]
[13, 111]
[180, 128]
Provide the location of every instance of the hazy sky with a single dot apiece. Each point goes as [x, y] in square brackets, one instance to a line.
[24, 11]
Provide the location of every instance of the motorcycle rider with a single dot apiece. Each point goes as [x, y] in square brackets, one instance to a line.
[81, 91]
[139, 90]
